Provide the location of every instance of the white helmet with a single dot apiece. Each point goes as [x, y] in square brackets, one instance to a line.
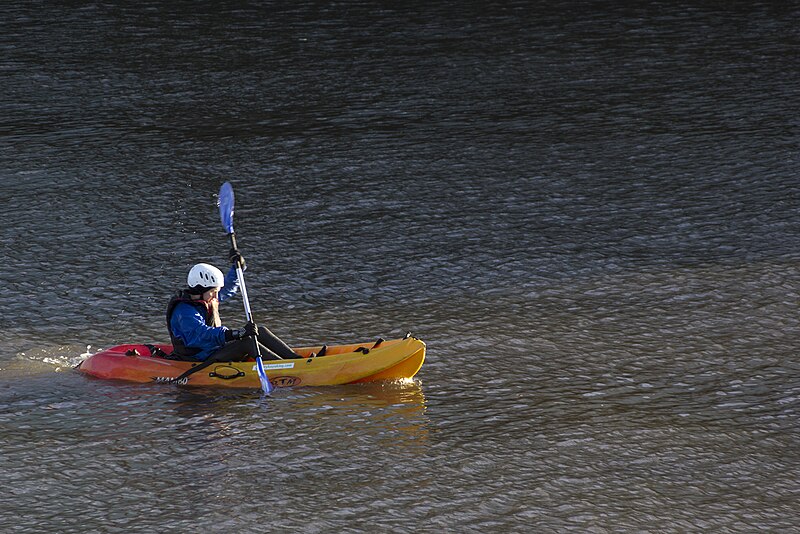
[205, 275]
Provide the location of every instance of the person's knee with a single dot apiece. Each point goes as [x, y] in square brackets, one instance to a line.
[264, 331]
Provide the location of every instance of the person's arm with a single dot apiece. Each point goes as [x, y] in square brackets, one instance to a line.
[188, 324]
[231, 286]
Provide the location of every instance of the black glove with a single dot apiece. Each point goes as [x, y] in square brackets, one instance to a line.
[250, 330]
[236, 258]
[231, 335]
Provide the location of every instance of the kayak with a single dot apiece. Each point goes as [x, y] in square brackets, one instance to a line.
[341, 364]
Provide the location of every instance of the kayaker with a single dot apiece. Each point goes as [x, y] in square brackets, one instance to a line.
[196, 329]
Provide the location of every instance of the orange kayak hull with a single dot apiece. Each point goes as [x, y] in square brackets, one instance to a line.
[342, 364]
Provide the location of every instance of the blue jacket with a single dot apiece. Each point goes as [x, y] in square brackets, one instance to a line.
[188, 322]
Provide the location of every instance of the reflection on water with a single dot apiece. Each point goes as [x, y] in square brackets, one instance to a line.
[393, 410]
[91, 435]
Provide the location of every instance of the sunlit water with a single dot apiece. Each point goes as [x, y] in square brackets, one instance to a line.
[588, 212]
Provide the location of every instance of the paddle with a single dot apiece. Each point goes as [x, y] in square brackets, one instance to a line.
[226, 215]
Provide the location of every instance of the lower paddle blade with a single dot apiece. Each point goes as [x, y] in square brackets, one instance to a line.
[226, 207]
[262, 375]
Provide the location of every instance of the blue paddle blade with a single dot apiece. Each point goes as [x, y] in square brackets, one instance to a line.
[226, 207]
[262, 375]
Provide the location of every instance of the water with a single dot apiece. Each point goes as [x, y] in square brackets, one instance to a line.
[588, 212]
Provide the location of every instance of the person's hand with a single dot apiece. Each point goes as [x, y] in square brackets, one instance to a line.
[250, 329]
[236, 258]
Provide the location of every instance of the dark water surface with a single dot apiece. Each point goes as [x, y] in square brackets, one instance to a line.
[588, 211]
